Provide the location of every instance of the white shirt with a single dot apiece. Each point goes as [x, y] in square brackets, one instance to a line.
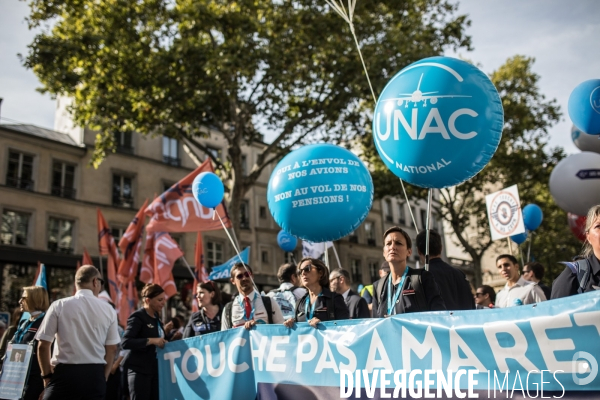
[299, 292]
[83, 325]
[526, 292]
[345, 294]
[238, 312]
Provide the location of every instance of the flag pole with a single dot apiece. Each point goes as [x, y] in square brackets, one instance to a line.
[337, 257]
[188, 267]
[326, 255]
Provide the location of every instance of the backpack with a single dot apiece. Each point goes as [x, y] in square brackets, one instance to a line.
[266, 301]
[415, 280]
[582, 269]
[286, 301]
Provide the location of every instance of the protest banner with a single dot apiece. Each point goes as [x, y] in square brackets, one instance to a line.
[504, 213]
[14, 371]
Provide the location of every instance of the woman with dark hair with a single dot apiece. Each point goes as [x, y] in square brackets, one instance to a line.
[208, 318]
[34, 301]
[319, 303]
[145, 332]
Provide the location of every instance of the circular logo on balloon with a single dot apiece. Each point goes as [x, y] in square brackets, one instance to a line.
[320, 193]
[584, 106]
[438, 122]
[504, 212]
[595, 99]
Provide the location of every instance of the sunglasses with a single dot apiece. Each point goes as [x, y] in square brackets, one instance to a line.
[241, 276]
[306, 269]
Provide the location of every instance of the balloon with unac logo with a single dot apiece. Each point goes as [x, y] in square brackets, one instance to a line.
[577, 225]
[519, 237]
[532, 216]
[584, 106]
[208, 189]
[286, 241]
[584, 141]
[575, 182]
[320, 192]
[438, 122]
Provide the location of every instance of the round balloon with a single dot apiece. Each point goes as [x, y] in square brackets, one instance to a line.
[575, 182]
[438, 122]
[208, 189]
[584, 141]
[320, 192]
[519, 237]
[584, 106]
[532, 216]
[577, 225]
[286, 241]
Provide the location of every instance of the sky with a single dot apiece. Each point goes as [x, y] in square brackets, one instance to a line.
[561, 35]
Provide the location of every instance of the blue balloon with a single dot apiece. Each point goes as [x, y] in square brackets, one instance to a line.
[208, 189]
[320, 192]
[519, 237]
[532, 216]
[438, 122]
[286, 241]
[584, 106]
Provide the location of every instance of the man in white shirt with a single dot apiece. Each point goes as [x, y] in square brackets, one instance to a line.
[85, 330]
[517, 290]
[248, 308]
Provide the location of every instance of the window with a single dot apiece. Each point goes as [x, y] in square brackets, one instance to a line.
[264, 256]
[171, 151]
[20, 171]
[117, 234]
[387, 210]
[60, 235]
[401, 214]
[214, 254]
[356, 271]
[166, 186]
[122, 191]
[244, 165]
[353, 237]
[373, 270]
[262, 211]
[215, 152]
[244, 215]
[124, 142]
[14, 278]
[15, 226]
[63, 180]
[370, 233]
[289, 257]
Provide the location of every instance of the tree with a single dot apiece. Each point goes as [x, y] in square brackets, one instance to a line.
[286, 69]
[522, 158]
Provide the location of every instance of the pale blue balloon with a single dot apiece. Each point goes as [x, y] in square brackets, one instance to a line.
[532, 216]
[320, 192]
[438, 122]
[208, 189]
[584, 106]
[286, 241]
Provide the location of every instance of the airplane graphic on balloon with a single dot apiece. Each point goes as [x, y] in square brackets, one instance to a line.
[417, 96]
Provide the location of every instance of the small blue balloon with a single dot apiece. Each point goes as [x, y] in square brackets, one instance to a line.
[208, 189]
[584, 106]
[286, 241]
[320, 193]
[519, 237]
[532, 216]
[438, 122]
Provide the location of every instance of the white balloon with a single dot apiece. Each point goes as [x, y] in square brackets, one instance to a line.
[575, 182]
[584, 141]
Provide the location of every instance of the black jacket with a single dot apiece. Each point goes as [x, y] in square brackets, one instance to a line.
[200, 324]
[35, 384]
[321, 312]
[453, 284]
[406, 302]
[567, 284]
[141, 327]
[357, 306]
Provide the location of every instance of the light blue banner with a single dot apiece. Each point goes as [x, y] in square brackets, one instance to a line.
[223, 271]
[553, 346]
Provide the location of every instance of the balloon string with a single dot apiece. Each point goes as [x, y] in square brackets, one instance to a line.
[349, 18]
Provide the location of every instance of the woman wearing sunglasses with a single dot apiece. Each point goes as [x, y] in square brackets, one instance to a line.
[319, 304]
[208, 318]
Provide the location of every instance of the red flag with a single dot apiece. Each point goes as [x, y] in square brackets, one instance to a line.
[147, 272]
[166, 252]
[176, 210]
[129, 245]
[87, 259]
[107, 246]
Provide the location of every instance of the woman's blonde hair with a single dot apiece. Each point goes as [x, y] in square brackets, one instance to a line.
[592, 216]
[37, 298]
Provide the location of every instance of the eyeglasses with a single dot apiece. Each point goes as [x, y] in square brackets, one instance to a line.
[333, 279]
[101, 281]
[526, 271]
[479, 294]
[241, 276]
[306, 269]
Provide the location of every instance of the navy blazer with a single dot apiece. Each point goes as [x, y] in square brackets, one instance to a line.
[140, 328]
[357, 306]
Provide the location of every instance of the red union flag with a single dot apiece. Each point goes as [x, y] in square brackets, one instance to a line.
[176, 210]
[129, 245]
[107, 246]
[166, 252]
[147, 271]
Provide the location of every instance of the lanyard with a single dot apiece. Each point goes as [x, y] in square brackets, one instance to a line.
[161, 332]
[241, 301]
[312, 307]
[21, 332]
[390, 303]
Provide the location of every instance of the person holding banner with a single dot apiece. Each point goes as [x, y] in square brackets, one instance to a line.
[320, 303]
[208, 318]
[34, 301]
[144, 333]
[517, 290]
[405, 289]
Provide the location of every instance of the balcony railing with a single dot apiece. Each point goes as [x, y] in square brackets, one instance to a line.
[56, 248]
[19, 183]
[176, 162]
[63, 191]
[126, 202]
